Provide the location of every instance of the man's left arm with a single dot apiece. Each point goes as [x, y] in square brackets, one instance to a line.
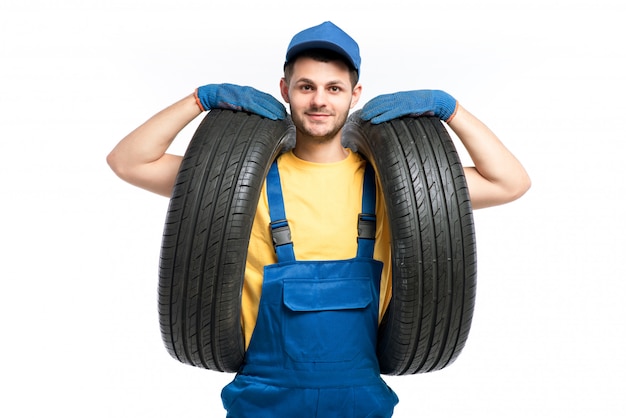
[497, 177]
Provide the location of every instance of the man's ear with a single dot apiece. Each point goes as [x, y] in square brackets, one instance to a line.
[356, 95]
[284, 89]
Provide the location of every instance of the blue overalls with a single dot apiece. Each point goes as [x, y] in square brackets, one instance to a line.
[313, 349]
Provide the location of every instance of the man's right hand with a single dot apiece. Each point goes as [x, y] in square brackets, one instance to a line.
[231, 96]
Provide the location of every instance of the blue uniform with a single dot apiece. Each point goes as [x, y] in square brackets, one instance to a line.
[313, 350]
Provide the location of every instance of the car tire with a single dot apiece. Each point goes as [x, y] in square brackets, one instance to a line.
[427, 322]
[210, 217]
[206, 234]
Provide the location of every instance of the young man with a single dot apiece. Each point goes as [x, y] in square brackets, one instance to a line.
[297, 365]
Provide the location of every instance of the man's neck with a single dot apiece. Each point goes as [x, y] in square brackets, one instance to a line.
[319, 151]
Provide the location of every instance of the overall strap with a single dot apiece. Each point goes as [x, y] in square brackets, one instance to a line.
[281, 234]
[367, 218]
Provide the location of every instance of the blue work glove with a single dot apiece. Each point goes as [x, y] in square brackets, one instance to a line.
[231, 96]
[386, 107]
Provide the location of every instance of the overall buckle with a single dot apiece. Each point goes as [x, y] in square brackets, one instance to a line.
[281, 234]
[367, 226]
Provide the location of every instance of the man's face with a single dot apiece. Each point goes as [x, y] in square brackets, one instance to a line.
[320, 96]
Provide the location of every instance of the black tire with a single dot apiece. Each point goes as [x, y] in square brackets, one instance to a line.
[205, 239]
[210, 216]
[433, 245]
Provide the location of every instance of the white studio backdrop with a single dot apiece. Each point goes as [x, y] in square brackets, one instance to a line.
[80, 255]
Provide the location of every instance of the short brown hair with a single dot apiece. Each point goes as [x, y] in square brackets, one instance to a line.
[322, 55]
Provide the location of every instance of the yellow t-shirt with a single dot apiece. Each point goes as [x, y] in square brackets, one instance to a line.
[322, 203]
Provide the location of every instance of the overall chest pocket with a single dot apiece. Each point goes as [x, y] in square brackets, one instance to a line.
[328, 320]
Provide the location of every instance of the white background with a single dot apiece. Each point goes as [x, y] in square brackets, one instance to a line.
[79, 334]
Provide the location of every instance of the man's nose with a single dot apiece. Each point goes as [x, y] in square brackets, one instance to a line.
[318, 99]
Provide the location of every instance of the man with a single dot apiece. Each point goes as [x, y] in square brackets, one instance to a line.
[297, 365]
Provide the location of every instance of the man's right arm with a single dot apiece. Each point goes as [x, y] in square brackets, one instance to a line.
[141, 159]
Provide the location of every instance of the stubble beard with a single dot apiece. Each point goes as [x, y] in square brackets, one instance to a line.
[306, 133]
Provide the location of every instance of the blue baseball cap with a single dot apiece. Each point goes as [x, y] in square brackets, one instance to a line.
[325, 36]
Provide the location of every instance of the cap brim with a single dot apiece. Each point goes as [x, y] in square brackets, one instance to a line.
[319, 44]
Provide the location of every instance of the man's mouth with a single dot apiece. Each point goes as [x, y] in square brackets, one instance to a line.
[318, 115]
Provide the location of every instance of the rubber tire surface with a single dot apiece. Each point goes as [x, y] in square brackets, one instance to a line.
[210, 217]
[206, 234]
[433, 245]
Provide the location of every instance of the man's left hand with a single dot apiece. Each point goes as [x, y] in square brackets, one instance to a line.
[386, 107]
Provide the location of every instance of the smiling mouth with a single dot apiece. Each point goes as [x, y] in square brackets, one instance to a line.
[318, 115]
